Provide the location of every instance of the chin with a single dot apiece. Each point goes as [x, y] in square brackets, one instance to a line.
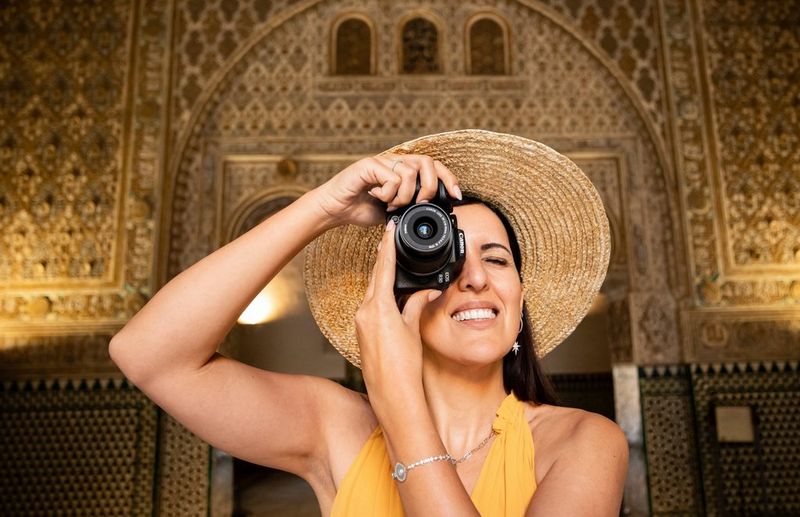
[472, 355]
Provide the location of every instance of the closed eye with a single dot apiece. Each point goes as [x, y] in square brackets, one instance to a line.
[497, 260]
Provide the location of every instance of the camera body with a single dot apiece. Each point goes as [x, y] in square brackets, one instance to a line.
[430, 248]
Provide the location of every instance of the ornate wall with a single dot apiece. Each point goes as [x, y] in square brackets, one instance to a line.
[137, 134]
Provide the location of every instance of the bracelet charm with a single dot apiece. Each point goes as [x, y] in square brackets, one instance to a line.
[401, 471]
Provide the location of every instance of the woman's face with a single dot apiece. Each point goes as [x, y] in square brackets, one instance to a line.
[476, 320]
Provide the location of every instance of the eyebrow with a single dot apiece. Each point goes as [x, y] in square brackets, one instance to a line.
[490, 245]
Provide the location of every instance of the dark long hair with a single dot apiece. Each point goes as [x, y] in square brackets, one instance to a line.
[522, 372]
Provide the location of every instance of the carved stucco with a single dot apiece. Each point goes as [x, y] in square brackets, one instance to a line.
[63, 128]
[78, 201]
[729, 77]
[751, 54]
[212, 33]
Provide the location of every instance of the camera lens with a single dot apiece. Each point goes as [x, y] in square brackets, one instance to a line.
[425, 228]
[424, 239]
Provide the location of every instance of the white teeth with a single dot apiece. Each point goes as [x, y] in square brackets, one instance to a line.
[475, 314]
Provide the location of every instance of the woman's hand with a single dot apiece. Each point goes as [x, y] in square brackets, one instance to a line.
[391, 349]
[362, 192]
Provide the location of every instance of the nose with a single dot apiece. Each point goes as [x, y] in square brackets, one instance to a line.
[473, 275]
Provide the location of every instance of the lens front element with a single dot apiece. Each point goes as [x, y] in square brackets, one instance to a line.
[425, 228]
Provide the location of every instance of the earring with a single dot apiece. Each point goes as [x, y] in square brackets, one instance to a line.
[515, 346]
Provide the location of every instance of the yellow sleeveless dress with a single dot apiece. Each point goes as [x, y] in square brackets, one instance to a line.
[505, 485]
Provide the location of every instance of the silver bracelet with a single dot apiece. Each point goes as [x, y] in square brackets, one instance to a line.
[401, 471]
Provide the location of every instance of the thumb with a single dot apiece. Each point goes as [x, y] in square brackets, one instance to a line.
[417, 302]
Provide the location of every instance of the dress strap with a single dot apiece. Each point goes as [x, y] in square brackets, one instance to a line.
[509, 414]
[507, 480]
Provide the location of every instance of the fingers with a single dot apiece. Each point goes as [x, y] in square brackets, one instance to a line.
[396, 177]
[385, 180]
[408, 185]
[381, 282]
[448, 178]
[416, 303]
[380, 290]
[428, 181]
[390, 174]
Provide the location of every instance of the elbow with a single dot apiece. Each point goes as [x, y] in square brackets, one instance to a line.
[121, 351]
[118, 352]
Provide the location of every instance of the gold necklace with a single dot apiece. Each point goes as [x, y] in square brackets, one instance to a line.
[470, 453]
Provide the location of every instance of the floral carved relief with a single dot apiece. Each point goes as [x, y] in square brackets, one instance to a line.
[753, 55]
[730, 75]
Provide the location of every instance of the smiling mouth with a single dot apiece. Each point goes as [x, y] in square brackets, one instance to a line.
[475, 315]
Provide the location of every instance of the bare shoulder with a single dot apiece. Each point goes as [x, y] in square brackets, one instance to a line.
[566, 423]
[597, 441]
[581, 461]
[561, 433]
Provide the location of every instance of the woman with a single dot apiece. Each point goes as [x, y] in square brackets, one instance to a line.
[446, 417]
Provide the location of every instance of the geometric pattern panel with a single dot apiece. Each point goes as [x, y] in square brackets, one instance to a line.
[82, 89]
[82, 446]
[669, 437]
[758, 477]
[627, 32]
[208, 32]
[183, 471]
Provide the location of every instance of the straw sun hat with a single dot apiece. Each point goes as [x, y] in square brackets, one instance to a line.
[554, 209]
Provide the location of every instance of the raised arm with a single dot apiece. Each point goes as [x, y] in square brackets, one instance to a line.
[181, 327]
[169, 348]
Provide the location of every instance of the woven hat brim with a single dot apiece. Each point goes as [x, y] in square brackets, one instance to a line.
[555, 211]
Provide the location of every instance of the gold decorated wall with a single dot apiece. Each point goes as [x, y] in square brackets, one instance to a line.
[136, 136]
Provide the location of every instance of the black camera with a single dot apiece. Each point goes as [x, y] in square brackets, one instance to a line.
[430, 247]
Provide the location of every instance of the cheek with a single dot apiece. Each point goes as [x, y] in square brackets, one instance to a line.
[431, 321]
[510, 289]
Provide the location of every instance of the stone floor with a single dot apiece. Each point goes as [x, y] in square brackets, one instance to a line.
[259, 491]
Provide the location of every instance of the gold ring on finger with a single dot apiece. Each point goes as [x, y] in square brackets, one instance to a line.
[394, 164]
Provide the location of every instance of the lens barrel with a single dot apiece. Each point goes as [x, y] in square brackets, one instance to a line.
[424, 239]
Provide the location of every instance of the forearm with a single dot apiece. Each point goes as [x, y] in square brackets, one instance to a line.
[434, 489]
[183, 324]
